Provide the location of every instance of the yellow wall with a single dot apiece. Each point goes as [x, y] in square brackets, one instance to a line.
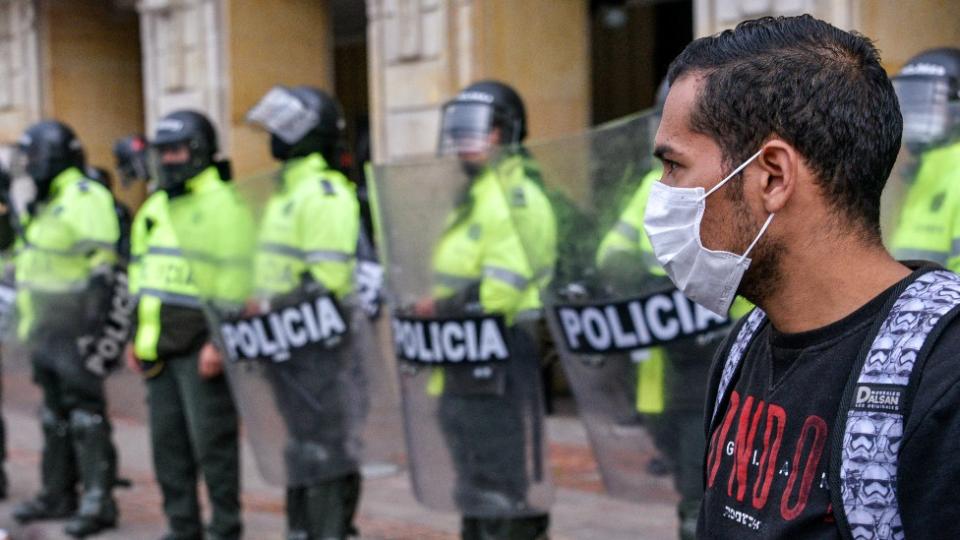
[92, 75]
[541, 48]
[903, 29]
[272, 42]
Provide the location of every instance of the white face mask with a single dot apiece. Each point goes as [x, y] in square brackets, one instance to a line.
[672, 221]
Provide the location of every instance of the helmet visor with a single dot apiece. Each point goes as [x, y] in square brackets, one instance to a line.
[928, 114]
[169, 164]
[465, 128]
[283, 114]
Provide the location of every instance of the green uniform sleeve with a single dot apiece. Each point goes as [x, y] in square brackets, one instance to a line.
[234, 249]
[138, 248]
[506, 270]
[328, 226]
[95, 225]
[953, 259]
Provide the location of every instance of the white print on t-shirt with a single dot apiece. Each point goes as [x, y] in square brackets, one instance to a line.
[742, 518]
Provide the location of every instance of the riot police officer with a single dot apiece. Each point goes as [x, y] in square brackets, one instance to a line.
[193, 422]
[497, 252]
[62, 273]
[130, 153]
[307, 247]
[928, 89]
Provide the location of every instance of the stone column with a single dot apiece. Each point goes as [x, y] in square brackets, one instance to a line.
[712, 16]
[421, 52]
[900, 29]
[221, 56]
[21, 100]
[184, 60]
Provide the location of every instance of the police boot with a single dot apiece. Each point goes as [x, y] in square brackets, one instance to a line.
[516, 528]
[97, 459]
[689, 513]
[297, 514]
[57, 498]
[4, 484]
[330, 507]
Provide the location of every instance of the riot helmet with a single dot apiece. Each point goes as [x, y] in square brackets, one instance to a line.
[131, 155]
[301, 120]
[928, 89]
[184, 145]
[470, 120]
[45, 150]
[100, 176]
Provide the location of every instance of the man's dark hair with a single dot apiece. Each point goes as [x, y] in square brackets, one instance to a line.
[817, 87]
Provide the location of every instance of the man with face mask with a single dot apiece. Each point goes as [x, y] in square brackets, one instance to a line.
[794, 118]
[193, 422]
[498, 250]
[67, 248]
[670, 380]
[928, 89]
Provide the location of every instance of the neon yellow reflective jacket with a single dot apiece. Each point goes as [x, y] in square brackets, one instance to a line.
[929, 224]
[533, 217]
[159, 275]
[191, 251]
[484, 245]
[72, 234]
[216, 231]
[310, 224]
[628, 234]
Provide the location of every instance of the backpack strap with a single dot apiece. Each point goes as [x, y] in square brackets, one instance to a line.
[876, 407]
[740, 345]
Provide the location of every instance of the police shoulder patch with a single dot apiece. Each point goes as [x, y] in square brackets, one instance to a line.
[937, 201]
[474, 232]
[518, 197]
[328, 189]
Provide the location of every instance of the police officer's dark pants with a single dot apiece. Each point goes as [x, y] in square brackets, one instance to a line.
[3, 457]
[688, 476]
[487, 432]
[77, 434]
[193, 430]
[324, 491]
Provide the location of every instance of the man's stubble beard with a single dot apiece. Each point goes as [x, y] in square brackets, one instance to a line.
[763, 275]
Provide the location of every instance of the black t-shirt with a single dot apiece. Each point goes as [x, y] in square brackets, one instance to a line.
[767, 468]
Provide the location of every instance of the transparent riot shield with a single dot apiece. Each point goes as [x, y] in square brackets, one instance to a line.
[274, 265]
[919, 204]
[73, 311]
[469, 365]
[636, 352]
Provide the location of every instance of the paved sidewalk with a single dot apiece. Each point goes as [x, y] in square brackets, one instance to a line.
[388, 509]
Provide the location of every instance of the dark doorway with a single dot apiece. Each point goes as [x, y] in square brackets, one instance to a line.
[632, 45]
[351, 88]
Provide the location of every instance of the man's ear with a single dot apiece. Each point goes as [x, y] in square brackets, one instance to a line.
[781, 162]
